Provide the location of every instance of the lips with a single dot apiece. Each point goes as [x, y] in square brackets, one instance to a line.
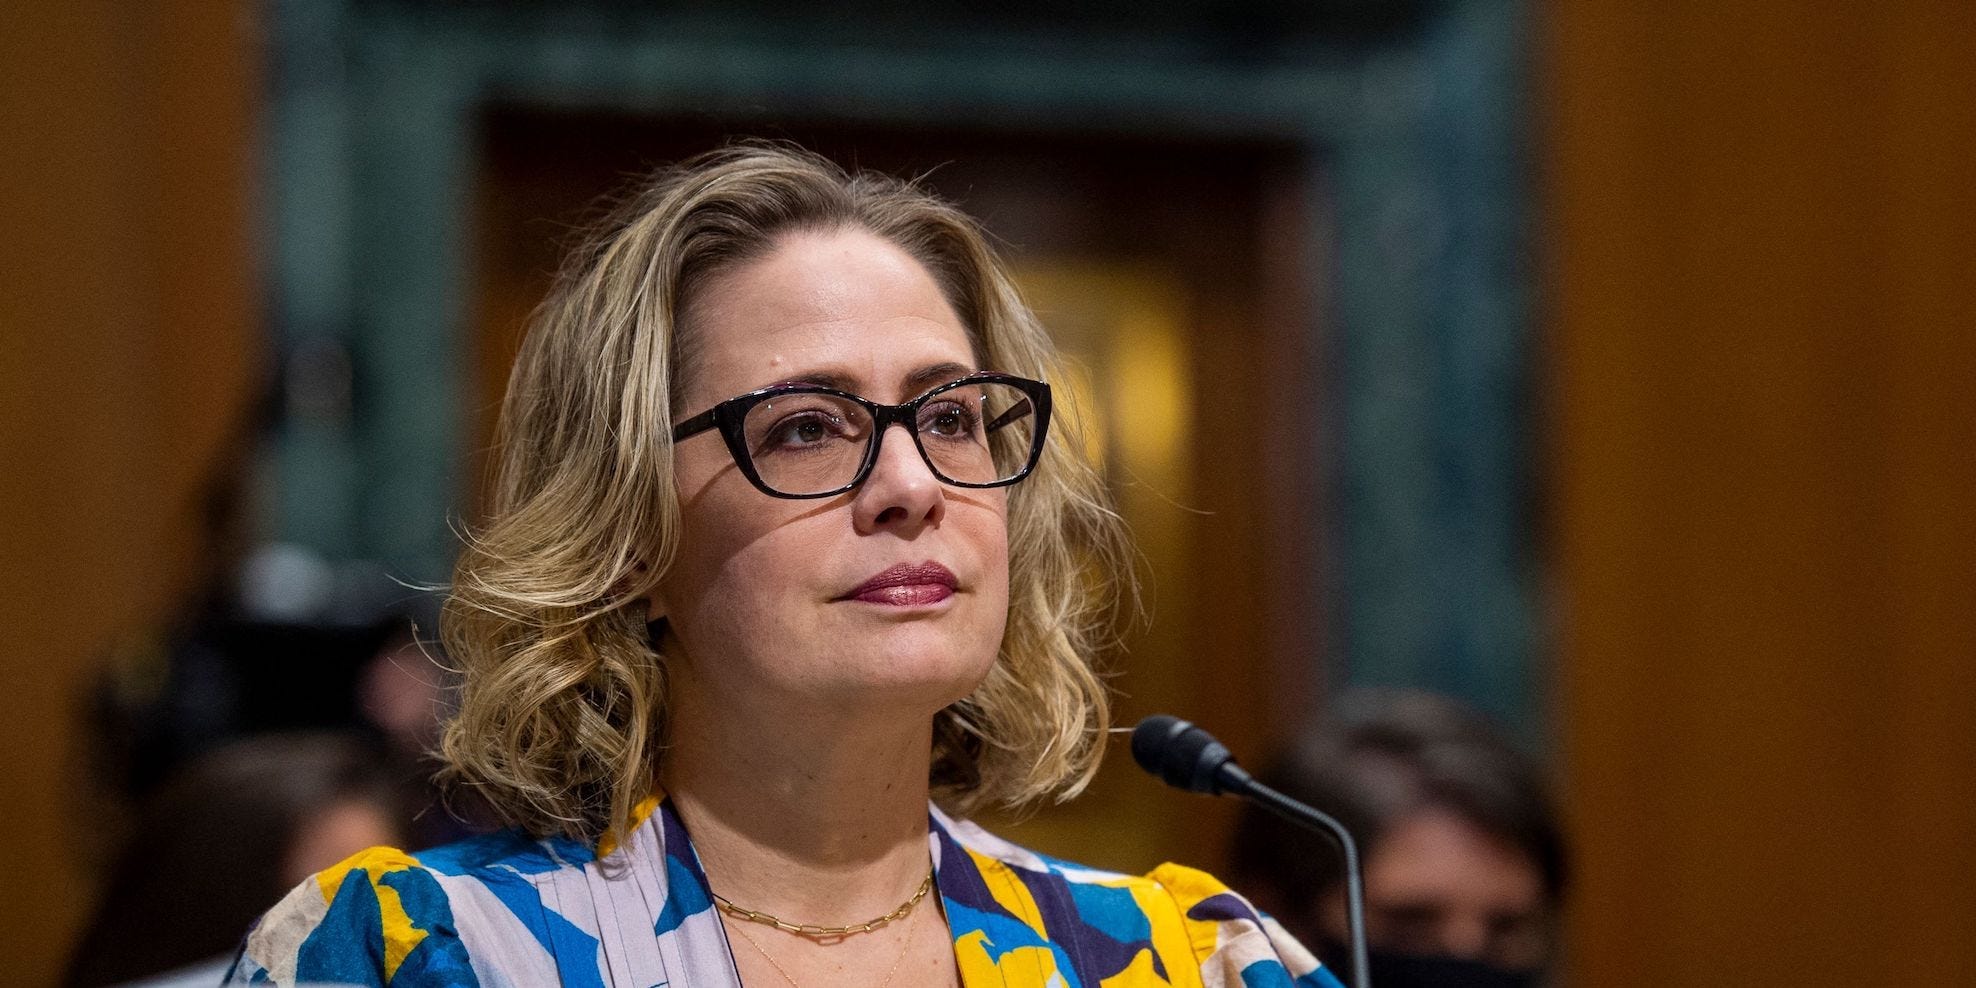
[907, 585]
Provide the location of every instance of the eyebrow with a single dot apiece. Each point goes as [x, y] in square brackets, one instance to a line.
[917, 381]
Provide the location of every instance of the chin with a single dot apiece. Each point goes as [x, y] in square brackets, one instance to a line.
[913, 670]
[950, 674]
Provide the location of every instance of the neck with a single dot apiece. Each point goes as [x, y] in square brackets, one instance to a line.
[815, 819]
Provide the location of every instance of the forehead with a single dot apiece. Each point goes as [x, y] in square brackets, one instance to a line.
[1436, 856]
[844, 305]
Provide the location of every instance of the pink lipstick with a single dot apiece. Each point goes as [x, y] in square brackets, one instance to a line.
[907, 585]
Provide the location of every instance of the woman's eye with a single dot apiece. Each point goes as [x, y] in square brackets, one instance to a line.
[950, 420]
[808, 430]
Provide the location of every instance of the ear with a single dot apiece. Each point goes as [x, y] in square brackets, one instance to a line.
[655, 602]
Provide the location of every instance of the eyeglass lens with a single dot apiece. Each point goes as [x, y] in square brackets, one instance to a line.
[805, 443]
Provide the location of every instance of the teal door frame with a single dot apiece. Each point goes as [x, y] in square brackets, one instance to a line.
[1415, 143]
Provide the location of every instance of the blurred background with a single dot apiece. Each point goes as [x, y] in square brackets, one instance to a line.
[1604, 366]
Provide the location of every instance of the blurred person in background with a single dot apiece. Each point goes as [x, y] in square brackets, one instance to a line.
[221, 840]
[280, 719]
[1464, 859]
[786, 572]
[163, 704]
[266, 637]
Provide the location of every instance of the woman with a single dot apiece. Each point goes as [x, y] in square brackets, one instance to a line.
[784, 546]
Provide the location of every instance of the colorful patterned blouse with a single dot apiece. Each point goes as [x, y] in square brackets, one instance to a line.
[506, 910]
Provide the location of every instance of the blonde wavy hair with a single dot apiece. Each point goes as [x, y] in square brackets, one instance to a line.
[563, 706]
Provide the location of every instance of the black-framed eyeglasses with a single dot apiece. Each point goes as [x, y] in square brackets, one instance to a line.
[803, 441]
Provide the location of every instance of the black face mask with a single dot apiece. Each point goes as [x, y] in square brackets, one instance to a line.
[1391, 970]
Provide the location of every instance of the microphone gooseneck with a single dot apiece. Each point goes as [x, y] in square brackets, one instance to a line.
[1186, 757]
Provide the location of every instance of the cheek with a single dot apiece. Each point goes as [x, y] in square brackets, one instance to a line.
[984, 526]
[725, 528]
[992, 596]
[993, 534]
[731, 559]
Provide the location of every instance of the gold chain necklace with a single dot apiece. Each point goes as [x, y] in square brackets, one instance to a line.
[827, 932]
[824, 932]
[904, 949]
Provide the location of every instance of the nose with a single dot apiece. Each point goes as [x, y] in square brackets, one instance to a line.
[901, 493]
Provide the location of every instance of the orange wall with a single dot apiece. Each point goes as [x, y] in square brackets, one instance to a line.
[1762, 243]
[127, 340]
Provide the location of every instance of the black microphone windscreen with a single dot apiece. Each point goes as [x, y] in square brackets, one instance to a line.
[1184, 755]
[1150, 740]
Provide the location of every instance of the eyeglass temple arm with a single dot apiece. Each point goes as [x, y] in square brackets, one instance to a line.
[695, 425]
[1017, 411]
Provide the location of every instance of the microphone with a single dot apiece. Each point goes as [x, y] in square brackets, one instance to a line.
[1186, 757]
